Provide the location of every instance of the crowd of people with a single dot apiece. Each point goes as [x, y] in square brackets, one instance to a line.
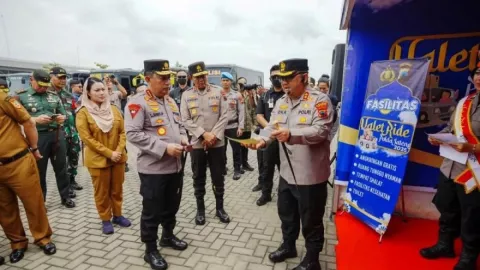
[292, 124]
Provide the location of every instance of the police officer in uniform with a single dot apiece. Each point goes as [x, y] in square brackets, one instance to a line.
[301, 122]
[204, 114]
[270, 155]
[236, 122]
[47, 111]
[153, 125]
[19, 178]
[182, 80]
[58, 83]
[459, 206]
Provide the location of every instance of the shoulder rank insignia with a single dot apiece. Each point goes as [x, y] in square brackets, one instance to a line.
[305, 96]
[20, 91]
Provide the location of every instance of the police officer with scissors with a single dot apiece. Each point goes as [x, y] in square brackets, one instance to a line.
[204, 114]
[153, 125]
[300, 122]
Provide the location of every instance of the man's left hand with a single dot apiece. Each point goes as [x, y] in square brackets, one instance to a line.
[463, 147]
[239, 132]
[282, 135]
[61, 119]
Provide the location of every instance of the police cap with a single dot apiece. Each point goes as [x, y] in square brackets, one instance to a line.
[159, 66]
[41, 77]
[291, 66]
[58, 72]
[3, 86]
[197, 69]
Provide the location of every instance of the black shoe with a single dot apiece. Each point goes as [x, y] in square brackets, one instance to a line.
[72, 194]
[237, 175]
[75, 186]
[256, 188]
[127, 169]
[174, 243]
[68, 203]
[264, 199]
[242, 171]
[17, 255]
[467, 261]
[440, 250]
[200, 217]
[282, 253]
[223, 216]
[247, 167]
[155, 260]
[308, 265]
[2, 260]
[49, 249]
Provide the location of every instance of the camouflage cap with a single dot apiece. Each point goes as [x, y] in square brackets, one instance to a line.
[41, 77]
[58, 72]
[3, 86]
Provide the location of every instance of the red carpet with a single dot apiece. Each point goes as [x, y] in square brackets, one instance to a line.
[358, 247]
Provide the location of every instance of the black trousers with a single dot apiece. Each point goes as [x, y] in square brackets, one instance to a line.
[236, 149]
[245, 135]
[260, 162]
[161, 200]
[459, 213]
[307, 204]
[216, 163]
[271, 157]
[55, 150]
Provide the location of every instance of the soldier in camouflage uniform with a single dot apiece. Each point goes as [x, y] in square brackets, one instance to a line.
[58, 80]
[250, 100]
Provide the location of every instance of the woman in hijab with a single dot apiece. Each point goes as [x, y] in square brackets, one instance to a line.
[101, 129]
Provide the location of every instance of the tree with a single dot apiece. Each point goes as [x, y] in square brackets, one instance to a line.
[50, 65]
[101, 66]
[178, 65]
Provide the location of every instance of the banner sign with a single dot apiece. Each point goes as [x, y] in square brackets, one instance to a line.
[387, 126]
[452, 46]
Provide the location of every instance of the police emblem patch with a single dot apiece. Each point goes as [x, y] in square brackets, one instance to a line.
[133, 109]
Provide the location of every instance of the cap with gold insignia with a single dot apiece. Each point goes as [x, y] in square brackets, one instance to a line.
[3, 86]
[197, 69]
[291, 66]
[159, 66]
[41, 77]
[58, 72]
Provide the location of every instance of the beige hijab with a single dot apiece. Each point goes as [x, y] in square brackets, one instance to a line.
[102, 115]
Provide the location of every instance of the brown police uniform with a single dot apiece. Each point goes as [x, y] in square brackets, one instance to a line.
[107, 176]
[151, 124]
[206, 111]
[236, 120]
[19, 177]
[302, 199]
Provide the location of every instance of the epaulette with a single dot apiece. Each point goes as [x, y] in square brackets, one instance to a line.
[20, 91]
[52, 92]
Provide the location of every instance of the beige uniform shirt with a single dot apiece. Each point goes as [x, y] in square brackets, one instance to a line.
[309, 120]
[236, 110]
[151, 123]
[451, 168]
[203, 111]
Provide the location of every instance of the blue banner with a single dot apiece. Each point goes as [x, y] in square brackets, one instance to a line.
[393, 30]
[387, 127]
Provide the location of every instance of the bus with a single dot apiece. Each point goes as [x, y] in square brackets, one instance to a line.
[215, 71]
[17, 81]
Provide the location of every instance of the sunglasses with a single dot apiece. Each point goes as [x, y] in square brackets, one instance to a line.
[288, 79]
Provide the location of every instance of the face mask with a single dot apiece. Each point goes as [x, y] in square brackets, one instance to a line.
[276, 83]
[182, 81]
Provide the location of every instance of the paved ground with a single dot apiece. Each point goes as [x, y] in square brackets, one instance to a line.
[242, 244]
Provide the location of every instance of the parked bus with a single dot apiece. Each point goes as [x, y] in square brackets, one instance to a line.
[215, 71]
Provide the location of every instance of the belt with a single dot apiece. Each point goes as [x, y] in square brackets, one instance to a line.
[47, 130]
[232, 121]
[5, 161]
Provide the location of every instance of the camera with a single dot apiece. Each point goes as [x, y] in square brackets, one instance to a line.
[250, 86]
